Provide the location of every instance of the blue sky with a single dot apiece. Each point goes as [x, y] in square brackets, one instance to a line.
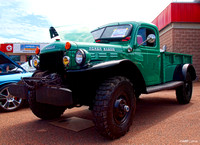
[29, 20]
[18, 24]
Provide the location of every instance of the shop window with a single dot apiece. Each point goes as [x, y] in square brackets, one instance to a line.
[28, 57]
[15, 58]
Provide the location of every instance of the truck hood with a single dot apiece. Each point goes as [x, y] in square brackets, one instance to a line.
[100, 52]
[98, 47]
[90, 47]
[55, 46]
[94, 53]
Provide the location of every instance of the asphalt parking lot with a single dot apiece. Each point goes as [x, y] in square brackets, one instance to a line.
[159, 119]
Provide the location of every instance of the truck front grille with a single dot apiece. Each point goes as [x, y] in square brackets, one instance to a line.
[52, 61]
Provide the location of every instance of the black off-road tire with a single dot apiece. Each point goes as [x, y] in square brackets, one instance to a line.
[41, 110]
[44, 111]
[184, 92]
[110, 118]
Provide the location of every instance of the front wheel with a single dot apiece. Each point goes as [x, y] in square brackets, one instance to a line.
[184, 92]
[114, 107]
[41, 110]
[44, 111]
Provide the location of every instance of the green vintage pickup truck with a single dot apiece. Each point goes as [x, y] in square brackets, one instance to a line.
[107, 73]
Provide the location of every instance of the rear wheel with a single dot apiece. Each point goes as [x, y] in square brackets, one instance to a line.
[8, 102]
[184, 92]
[114, 107]
[41, 110]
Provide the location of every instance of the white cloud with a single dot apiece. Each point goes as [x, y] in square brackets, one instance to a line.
[19, 24]
[15, 21]
[8, 40]
[92, 12]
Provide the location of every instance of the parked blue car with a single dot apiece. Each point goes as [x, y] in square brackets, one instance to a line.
[10, 72]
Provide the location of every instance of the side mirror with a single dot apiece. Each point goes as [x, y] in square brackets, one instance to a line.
[164, 49]
[53, 32]
[151, 38]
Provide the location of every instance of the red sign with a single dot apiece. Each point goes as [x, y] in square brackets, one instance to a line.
[6, 48]
[178, 12]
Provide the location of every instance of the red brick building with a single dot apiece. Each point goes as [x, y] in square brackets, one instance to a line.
[179, 26]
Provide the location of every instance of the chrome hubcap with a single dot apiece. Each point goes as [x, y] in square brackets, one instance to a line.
[7, 101]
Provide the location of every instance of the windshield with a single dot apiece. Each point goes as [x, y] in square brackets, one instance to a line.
[9, 68]
[75, 33]
[112, 32]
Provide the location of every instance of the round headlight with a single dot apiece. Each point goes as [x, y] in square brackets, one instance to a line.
[80, 57]
[66, 60]
[35, 62]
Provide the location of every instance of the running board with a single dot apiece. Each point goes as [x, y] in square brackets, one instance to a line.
[166, 86]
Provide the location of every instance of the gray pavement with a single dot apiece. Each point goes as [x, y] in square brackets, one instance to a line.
[159, 119]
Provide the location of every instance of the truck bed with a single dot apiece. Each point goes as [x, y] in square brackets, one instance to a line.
[169, 62]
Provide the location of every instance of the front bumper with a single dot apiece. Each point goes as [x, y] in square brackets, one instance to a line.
[53, 95]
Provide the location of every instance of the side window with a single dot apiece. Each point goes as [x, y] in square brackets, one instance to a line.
[142, 36]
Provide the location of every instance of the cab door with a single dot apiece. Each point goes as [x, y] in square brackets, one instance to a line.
[150, 52]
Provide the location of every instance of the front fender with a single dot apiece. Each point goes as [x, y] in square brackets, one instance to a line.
[113, 68]
[102, 65]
